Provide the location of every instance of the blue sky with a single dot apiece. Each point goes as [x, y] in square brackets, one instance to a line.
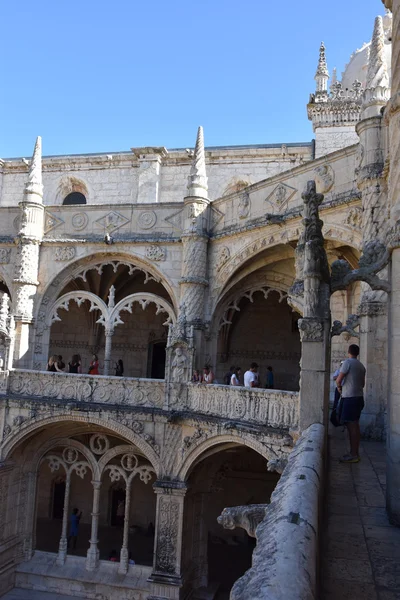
[100, 76]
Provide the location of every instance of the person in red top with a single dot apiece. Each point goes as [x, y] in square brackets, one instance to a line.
[94, 366]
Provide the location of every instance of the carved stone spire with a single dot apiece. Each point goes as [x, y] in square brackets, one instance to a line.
[34, 185]
[322, 75]
[377, 75]
[333, 78]
[197, 180]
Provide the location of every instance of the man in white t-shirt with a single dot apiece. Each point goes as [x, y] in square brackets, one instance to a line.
[251, 376]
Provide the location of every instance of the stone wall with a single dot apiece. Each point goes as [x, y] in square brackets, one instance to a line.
[285, 561]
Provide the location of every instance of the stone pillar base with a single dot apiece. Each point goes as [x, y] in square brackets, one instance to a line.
[165, 588]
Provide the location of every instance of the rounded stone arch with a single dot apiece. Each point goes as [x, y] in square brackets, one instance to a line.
[39, 457]
[205, 448]
[52, 290]
[108, 426]
[69, 184]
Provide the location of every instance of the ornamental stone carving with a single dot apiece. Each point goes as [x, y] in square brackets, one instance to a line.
[311, 330]
[281, 195]
[156, 253]
[26, 264]
[325, 178]
[179, 366]
[223, 257]
[64, 253]
[352, 322]
[246, 517]
[112, 221]
[167, 535]
[5, 254]
[51, 221]
[147, 219]
[354, 217]
[79, 221]
[244, 205]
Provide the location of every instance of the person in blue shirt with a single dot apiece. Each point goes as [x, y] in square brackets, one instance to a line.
[74, 527]
[270, 379]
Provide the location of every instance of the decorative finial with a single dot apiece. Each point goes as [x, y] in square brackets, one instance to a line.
[377, 75]
[322, 76]
[34, 184]
[111, 297]
[322, 68]
[333, 78]
[197, 180]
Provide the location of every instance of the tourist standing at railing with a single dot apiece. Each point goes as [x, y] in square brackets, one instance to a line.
[235, 377]
[60, 363]
[228, 375]
[52, 365]
[251, 378]
[75, 366]
[208, 375]
[119, 368]
[196, 377]
[94, 366]
[270, 379]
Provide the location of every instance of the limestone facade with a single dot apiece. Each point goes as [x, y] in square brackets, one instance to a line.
[170, 260]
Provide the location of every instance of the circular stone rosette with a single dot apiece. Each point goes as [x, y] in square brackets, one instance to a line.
[79, 221]
[147, 220]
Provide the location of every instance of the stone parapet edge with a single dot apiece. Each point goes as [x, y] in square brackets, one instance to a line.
[285, 561]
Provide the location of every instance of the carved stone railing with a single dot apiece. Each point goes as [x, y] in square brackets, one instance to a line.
[273, 408]
[86, 388]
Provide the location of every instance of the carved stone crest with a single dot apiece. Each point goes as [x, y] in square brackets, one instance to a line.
[64, 253]
[281, 195]
[156, 253]
[112, 221]
[147, 219]
[325, 178]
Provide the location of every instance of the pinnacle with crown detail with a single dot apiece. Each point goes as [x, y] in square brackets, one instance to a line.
[34, 185]
[377, 74]
[197, 180]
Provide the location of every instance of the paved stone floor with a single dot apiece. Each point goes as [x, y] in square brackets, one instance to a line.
[361, 550]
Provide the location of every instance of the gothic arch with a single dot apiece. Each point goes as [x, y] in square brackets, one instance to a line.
[108, 426]
[143, 299]
[202, 450]
[37, 458]
[79, 297]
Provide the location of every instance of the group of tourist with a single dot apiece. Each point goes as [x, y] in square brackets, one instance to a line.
[56, 364]
[251, 378]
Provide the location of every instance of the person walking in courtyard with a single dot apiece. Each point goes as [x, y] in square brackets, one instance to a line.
[350, 383]
[75, 365]
[94, 365]
[74, 528]
[251, 376]
[235, 377]
[270, 379]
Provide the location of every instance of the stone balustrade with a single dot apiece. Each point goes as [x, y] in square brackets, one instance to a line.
[275, 408]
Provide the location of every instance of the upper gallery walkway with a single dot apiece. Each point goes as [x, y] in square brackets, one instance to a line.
[272, 408]
[360, 551]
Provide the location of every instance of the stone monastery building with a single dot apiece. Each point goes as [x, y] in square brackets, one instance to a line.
[281, 254]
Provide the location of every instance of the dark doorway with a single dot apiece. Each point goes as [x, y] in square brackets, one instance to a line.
[58, 499]
[117, 507]
[157, 357]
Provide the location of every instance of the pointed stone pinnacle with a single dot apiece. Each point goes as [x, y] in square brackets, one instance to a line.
[197, 180]
[377, 75]
[322, 69]
[34, 184]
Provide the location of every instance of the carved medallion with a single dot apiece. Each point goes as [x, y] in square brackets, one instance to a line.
[5, 255]
[155, 253]
[64, 253]
[147, 219]
[79, 221]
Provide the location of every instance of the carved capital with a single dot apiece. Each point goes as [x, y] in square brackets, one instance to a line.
[311, 330]
[371, 308]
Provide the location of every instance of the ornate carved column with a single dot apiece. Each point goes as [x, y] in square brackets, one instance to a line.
[92, 559]
[30, 235]
[63, 544]
[166, 579]
[108, 333]
[392, 113]
[195, 237]
[313, 272]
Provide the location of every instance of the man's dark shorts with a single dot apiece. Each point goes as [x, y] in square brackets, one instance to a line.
[351, 409]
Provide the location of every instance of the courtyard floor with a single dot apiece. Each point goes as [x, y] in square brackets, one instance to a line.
[361, 550]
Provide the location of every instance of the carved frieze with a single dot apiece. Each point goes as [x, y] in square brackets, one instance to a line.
[64, 253]
[5, 254]
[156, 253]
